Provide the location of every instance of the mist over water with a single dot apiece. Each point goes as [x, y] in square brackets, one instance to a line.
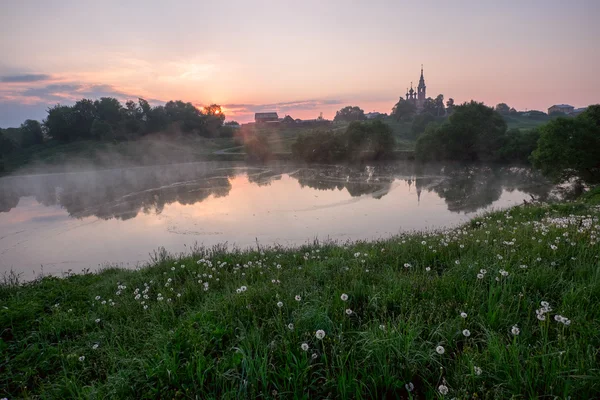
[84, 220]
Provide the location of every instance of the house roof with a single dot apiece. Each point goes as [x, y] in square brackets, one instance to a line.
[266, 115]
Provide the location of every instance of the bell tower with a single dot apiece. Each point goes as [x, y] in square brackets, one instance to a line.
[421, 90]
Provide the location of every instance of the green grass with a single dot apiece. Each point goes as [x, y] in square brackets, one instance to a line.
[406, 295]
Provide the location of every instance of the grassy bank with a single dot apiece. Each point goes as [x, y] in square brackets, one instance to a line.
[244, 324]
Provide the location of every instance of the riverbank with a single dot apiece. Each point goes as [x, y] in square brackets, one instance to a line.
[506, 305]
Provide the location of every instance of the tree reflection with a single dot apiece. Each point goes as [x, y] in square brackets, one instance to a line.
[123, 193]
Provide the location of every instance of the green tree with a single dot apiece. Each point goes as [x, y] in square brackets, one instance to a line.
[440, 110]
[6, 145]
[450, 106]
[31, 133]
[84, 113]
[502, 108]
[430, 106]
[110, 110]
[403, 110]
[60, 123]
[102, 130]
[420, 122]
[570, 148]
[474, 132]
[349, 114]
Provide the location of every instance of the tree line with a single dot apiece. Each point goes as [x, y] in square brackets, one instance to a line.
[562, 149]
[108, 119]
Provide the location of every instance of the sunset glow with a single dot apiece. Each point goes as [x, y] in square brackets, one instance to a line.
[296, 58]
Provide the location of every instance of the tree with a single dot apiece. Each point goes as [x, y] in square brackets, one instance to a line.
[60, 123]
[6, 145]
[234, 123]
[109, 109]
[31, 133]
[474, 132]
[403, 110]
[84, 113]
[502, 108]
[430, 106]
[102, 130]
[350, 114]
[439, 105]
[570, 148]
[450, 105]
[420, 122]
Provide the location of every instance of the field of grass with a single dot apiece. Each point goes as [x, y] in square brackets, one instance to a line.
[507, 306]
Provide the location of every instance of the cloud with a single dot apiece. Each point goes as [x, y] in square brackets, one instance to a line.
[282, 106]
[25, 78]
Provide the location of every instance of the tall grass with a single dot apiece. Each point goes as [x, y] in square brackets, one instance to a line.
[232, 324]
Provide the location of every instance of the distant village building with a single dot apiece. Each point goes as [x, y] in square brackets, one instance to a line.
[578, 111]
[418, 97]
[561, 108]
[374, 115]
[266, 117]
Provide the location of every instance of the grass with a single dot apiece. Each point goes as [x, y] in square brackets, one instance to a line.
[203, 336]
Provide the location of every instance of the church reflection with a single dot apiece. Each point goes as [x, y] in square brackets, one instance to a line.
[124, 193]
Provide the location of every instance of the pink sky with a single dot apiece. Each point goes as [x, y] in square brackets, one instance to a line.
[297, 58]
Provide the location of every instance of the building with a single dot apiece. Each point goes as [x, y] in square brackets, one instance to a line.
[578, 111]
[418, 97]
[561, 108]
[375, 115]
[266, 117]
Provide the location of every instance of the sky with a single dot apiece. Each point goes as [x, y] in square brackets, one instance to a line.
[296, 57]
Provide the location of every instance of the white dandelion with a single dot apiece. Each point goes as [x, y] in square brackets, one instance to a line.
[344, 297]
[440, 350]
[304, 346]
[320, 334]
[443, 389]
[466, 333]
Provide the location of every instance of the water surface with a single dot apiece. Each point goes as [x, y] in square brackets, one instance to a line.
[81, 220]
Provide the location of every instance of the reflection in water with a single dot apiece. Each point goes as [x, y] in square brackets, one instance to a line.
[80, 220]
[123, 193]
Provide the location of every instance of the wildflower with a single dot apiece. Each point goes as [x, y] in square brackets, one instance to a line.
[314, 356]
[382, 327]
[407, 265]
[172, 268]
[291, 326]
[98, 320]
[479, 276]
[463, 314]
[243, 288]
[298, 298]
[320, 334]
[304, 346]
[466, 333]
[70, 310]
[97, 298]
[409, 386]
[440, 350]
[82, 358]
[515, 330]
[348, 311]
[457, 262]
[478, 370]
[503, 272]
[145, 306]
[443, 389]
[279, 304]
[238, 290]
[95, 346]
[483, 271]
[344, 297]
[103, 302]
